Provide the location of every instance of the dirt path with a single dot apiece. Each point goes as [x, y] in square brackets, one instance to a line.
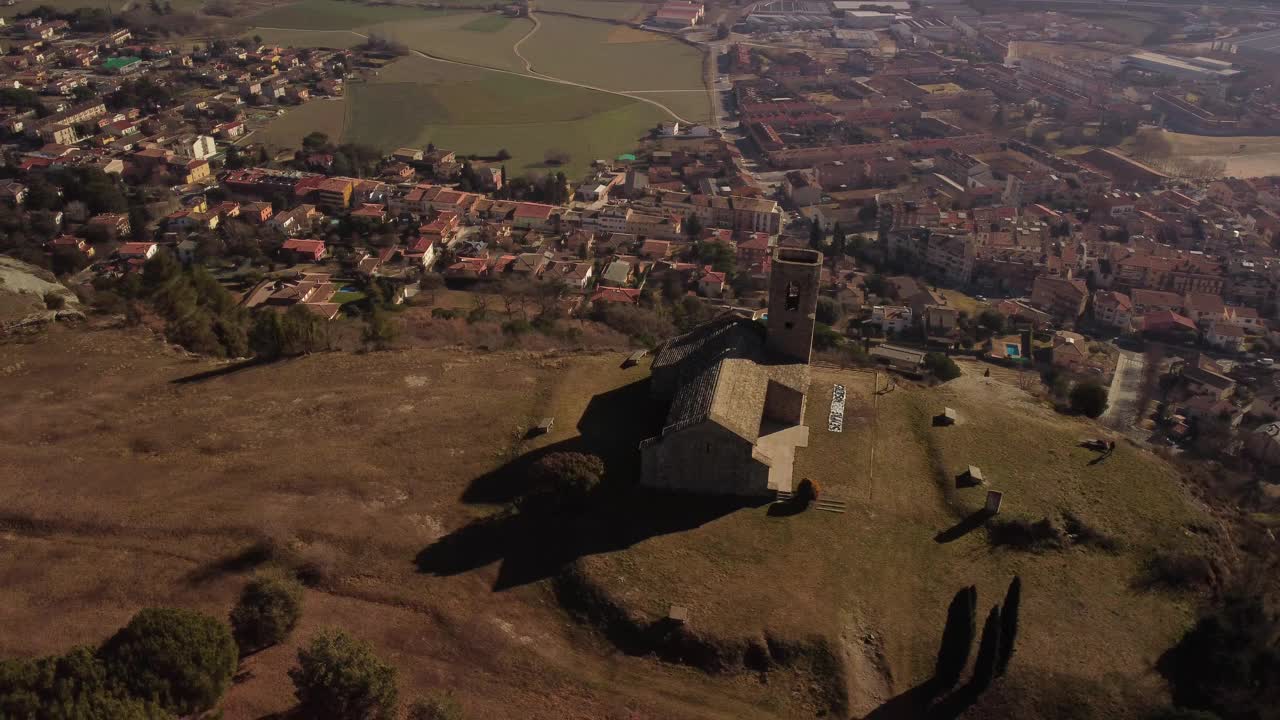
[528, 66]
[530, 72]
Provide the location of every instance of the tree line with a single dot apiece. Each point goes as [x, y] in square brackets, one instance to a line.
[169, 663]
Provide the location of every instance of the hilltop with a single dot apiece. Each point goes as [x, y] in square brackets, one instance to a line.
[142, 477]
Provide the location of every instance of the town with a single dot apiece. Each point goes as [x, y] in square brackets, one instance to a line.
[883, 238]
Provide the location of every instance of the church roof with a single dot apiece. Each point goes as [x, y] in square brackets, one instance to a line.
[723, 374]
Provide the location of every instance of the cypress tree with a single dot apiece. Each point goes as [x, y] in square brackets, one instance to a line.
[984, 666]
[957, 637]
[815, 235]
[1009, 624]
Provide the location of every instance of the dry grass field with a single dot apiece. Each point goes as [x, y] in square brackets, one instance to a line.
[125, 487]
[135, 477]
[1245, 156]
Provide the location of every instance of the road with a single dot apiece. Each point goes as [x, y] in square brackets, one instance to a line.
[1123, 409]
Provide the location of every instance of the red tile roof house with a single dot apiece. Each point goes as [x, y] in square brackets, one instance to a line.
[1226, 336]
[533, 215]
[655, 249]
[468, 268]
[370, 211]
[312, 290]
[423, 250]
[304, 250]
[257, 212]
[710, 282]
[136, 251]
[116, 224]
[1111, 308]
[71, 243]
[573, 274]
[603, 294]
[754, 249]
[1168, 321]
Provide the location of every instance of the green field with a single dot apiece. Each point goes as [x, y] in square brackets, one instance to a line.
[692, 106]
[336, 39]
[611, 56]
[602, 136]
[416, 101]
[595, 8]
[29, 5]
[335, 15]
[467, 37]
[487, 23]
[287, 131]
[342, 298]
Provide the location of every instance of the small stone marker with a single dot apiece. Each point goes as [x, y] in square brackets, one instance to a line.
[994, 498]
[678, 614]
[946, 417]
[975, 474]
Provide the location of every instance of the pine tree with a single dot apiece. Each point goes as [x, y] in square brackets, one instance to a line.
[1009, 624]
[837, 241]
[957, 637]
[984, 666]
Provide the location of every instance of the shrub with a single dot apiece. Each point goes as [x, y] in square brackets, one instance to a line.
[74, 685]
[807, 491]
[645, 326]
[1089, 399]
[1082, 533]
[267, 612]
[1227, 662]
[1177, 571]
[445, 313]
[557, 156]
[340, 678]
[561, 480]
[992, 320]
[438, 707]
[182, 659]
[1022, 534]
[380, 330]
[825, 338]
[517, 327]
[942, 367]
[54, 300]
[828, 311]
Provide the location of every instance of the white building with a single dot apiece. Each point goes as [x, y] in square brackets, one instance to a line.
[197, 147]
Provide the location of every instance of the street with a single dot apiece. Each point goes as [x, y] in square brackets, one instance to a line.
[1124, 411]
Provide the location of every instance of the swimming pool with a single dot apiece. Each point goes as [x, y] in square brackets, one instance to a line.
[1012, 350]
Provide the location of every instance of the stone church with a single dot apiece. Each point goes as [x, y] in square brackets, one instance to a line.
[736, 391]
